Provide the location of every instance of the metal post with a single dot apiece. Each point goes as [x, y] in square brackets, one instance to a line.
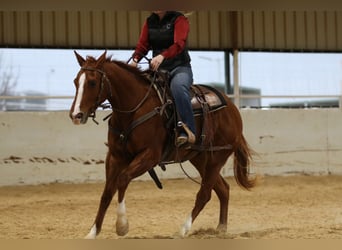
[236, 78]
[340, 101]
[228, 87]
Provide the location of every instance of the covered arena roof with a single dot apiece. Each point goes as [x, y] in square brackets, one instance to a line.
[306, 25]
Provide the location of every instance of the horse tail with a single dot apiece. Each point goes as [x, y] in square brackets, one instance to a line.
[242, 160]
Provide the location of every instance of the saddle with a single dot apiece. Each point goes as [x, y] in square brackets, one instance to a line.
[206, 95]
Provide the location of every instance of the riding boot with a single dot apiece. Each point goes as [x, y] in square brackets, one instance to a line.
[186, 136]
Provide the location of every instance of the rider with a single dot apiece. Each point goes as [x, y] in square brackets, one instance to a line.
[165, 33]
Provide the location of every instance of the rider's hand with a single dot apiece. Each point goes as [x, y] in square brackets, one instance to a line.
[134, 63]
[156, 61]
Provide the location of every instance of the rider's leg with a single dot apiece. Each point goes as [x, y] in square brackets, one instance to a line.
[181, 81]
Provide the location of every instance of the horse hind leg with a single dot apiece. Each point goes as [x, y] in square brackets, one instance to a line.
[221, 189]
[209, 168]
[203, 196]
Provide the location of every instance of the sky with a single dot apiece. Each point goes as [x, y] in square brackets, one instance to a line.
[292, 74]
[52, 71]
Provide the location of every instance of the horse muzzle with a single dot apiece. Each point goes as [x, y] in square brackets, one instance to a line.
[79, 118]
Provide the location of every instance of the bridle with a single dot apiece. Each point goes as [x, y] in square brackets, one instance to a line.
[104, 79]
[98, 103]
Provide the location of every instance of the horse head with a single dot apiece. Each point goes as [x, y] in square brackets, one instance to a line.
[90, 84]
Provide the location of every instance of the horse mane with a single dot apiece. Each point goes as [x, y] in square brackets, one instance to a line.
[134, 70]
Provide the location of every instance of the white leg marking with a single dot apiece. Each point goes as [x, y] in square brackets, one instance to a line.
[186, 226]
[121, 220]
[92, 233]
[121, 210]
[81, 83]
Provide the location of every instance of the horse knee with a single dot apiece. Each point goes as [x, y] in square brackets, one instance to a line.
[203, 197]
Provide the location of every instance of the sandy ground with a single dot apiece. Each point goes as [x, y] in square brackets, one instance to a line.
[292, 207]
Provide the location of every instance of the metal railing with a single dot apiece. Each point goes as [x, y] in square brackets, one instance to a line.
[309, 98]
[27, 102]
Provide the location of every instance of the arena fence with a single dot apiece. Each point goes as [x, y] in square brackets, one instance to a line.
[45, 147]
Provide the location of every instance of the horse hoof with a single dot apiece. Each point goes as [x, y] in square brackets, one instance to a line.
[90, 237]
[183, 232]
[221, 228]
[186, 226]
[92, 234]
[122, 227]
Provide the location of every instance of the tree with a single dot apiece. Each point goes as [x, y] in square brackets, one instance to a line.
[8, 82]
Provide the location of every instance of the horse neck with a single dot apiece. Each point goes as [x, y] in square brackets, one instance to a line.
[126, 88]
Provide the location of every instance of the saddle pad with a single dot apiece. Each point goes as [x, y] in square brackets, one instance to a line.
[213, 98]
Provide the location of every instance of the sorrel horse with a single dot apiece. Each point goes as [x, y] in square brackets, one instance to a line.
[131, 98]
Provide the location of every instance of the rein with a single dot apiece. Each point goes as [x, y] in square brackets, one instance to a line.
[145, 97]
[123, 135]
[140, 103]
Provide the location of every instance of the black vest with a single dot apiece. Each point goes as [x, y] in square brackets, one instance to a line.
[161, 36]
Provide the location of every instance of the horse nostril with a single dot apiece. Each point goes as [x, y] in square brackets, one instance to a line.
[79, 116]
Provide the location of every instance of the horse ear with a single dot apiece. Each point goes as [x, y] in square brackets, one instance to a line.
[101, 59]
[80, 59]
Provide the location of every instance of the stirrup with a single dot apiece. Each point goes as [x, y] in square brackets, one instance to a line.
[181, 140]
[191, 136]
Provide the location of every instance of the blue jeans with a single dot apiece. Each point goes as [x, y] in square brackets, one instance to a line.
[181, 79]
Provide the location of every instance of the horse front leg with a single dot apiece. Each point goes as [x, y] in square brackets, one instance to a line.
[141, 163]
[110, 188]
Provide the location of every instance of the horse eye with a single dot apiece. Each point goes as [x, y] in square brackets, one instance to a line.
[92, 83]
